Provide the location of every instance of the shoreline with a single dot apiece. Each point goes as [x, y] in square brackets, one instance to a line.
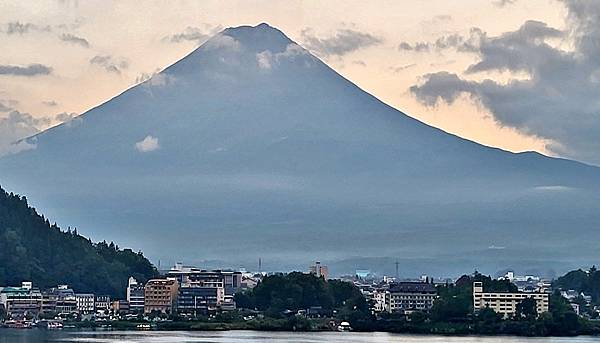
[124, 326]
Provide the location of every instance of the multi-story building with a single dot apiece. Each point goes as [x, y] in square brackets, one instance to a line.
[49, 301]
[21, 302]
[194, 299]
[135, 296]
[120, 306]
[228, 279]
[102, 303]
[410, 296]
[378, 300]
[160, 295]
[319, 270]
[85, 303]
[506, 303]
[66, 302]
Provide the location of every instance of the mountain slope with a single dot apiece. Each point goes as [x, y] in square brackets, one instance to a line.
[33, 250]
[250, 147]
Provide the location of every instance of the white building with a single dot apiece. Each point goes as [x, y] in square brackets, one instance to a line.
[378, 298]
[85, 302]
[506, 303]
[19, 302]
[135, 295]
[410, 296]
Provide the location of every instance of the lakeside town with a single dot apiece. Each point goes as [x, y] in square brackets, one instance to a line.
[186, 294]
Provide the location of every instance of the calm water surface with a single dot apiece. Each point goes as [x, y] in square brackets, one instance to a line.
[35, 335]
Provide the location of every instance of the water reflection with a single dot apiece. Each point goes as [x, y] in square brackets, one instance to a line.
[34, 336]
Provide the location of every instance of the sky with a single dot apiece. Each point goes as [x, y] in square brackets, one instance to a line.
[514, 74]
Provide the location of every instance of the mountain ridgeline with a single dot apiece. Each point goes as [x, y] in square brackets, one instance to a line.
[252, 147]
[32, 249]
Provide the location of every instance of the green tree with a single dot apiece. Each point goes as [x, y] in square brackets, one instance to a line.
[526, 309]
[33, 249]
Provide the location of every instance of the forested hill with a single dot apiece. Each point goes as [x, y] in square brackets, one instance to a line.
[34, 250]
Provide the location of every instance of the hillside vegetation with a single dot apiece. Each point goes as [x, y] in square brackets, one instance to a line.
[33, 249]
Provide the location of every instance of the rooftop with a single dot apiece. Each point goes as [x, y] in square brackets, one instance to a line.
[412, 287]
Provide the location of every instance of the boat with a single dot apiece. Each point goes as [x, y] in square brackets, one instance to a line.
[54, 325]
[344, 327]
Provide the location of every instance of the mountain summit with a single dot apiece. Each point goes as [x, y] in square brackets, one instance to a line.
[252, 147]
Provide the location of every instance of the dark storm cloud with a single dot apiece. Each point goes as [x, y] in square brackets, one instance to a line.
[559, 98]
[342, 42]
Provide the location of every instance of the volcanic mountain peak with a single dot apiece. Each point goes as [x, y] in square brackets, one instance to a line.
[251, 139]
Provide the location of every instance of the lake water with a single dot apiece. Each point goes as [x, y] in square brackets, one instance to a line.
[35, 335]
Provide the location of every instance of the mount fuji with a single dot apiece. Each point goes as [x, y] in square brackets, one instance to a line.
[252, 147]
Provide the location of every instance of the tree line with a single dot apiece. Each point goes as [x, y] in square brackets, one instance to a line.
[33, 249]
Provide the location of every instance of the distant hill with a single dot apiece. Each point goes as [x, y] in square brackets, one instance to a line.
[252, 147]
[32, 249]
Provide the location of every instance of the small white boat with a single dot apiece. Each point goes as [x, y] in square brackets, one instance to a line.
[344, 326]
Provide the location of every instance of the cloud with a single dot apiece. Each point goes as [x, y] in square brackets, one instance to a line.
[30, 70]
[342, 42]
[13, 128]
[502, 3]
[16, 127]
[222, 41]
[264, 59]
[19, 28]
[70, 38]
[557, 188]
[557, 101]
[5, 108]
[521, 50]
[64, 117]
[147, 144]
[418, 47]
[161, 80]
[402, 67]
[50, 103]
[109, 63]
[267, 60]
[69, 119]
[466, 43]
[194, 34]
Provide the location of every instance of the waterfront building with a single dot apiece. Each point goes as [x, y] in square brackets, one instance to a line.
[120, 307]
[160, 295]
[21, 302]
[135, 295]
[66, 302]
[319, 270]
[506, 303]
[48, 301]
[85, 303]
[410, 296]
[195, 299]
[102, 303]
[230, 280]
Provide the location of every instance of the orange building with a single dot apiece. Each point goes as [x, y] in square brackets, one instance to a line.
[160, 295]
